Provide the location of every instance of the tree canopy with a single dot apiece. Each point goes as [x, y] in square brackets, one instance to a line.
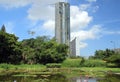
[9, 48]
[41, 50]
[115, 58]
[103, 54]
[110, 56]
[3, 28]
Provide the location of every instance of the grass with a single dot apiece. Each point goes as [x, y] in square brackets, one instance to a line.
[23, 68]
[70, 67]
[94, 63]
[71, 62]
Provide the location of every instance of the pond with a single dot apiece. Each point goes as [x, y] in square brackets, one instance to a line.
[56, 78]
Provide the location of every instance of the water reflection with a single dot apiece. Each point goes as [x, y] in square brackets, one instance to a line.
[38, 78]
[83, 79]
[57, 78]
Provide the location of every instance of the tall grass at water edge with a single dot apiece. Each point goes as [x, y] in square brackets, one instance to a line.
[24, 67]
[79, 62]
[71, 62]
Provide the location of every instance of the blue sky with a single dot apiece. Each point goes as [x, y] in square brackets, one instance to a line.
[95, 22]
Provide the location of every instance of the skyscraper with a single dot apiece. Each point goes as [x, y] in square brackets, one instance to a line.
[62, 23]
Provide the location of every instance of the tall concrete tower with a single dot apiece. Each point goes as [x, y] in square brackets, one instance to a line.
[62, 22]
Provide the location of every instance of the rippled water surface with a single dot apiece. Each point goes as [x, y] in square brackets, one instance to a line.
[56, 78]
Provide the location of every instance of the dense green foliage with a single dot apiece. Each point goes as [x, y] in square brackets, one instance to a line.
[103, 54]
[110, 56]
[9, 48]
[40, 50]
[115, 58]
[43, 50]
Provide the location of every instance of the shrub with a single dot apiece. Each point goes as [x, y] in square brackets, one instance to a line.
[5, 66]
[53, 65]
[72, 62]
[94, 63]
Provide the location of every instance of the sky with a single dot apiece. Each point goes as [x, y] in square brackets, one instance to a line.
[95, 22]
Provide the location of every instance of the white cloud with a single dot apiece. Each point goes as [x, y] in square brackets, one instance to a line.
[89, 7]
[84, 6]
[91, 0]
[79, 19]
[47, 28]
[14, 3]
[93, 33]
[41, 12]
[49, 25]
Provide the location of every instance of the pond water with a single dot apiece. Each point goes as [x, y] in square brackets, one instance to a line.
[83, 79]
[56, 78]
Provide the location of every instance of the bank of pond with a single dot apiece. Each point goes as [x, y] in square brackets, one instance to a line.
[46, 73]
[71, 70]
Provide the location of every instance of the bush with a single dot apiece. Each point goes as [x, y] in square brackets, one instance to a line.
[72, 62]
[5, 66]
[114, 59]
[94, 63]
[53, 65]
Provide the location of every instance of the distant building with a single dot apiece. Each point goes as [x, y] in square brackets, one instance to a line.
[75, 47]
[117, 50]
[62, 23]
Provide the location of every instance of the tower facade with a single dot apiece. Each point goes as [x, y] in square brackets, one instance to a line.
[75, 47]
[62, 23]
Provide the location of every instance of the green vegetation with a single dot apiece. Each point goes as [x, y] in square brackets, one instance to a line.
[103, 54]
[94, 63]
[53, 65]
[115, 59]
[74, 62]
[10, 51]
[110, 56]
[40, 50]
[34, 70]
[81, 62]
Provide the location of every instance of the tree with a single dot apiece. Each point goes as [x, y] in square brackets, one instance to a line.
[99, 54]
[115, 58]
[103, 54]
[10, 51]
[3, 28]
[43, 50]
